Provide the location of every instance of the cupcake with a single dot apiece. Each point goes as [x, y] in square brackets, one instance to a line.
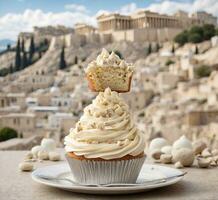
[105, 146]
[108, 70]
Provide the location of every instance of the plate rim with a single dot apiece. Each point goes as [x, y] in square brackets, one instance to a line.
[126, 189]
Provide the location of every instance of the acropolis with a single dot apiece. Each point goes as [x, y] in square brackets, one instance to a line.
[145, 25]
[141, 26]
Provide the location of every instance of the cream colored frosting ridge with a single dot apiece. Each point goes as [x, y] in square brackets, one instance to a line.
[109, 60]
[105, 130]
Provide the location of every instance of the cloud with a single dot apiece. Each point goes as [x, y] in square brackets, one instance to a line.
[170, 7]
[11, 24]
[76, 7]
[128, 9]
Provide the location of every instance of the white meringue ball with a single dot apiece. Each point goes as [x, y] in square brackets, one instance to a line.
[185, 156]
[35, 150]
[166, 149]
[157, 143]
[48, 144]
[182, 142]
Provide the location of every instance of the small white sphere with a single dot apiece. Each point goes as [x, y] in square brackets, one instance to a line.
[166, 158]
[157, 143]
[25, 166]
[48, 144]
[166, 149]
[35, 150]
[54, 156]
[185, 156]
[43, 155]
[178, 165]
[182, 142]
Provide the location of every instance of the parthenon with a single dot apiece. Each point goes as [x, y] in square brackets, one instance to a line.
[148, 19]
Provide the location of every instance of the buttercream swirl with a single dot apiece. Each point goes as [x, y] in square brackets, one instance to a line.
[104, 59]
[105, 130]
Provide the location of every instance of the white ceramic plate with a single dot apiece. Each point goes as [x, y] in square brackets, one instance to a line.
[148, 172]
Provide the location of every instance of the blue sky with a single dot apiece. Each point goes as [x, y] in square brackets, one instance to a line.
[22, 15]
[18, 6]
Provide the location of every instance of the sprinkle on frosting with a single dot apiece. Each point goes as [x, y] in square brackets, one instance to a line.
[105, 130]
[105, 59]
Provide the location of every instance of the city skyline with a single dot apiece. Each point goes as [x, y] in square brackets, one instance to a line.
[22, 15]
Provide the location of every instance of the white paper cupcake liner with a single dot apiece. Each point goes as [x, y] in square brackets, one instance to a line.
[103, 172]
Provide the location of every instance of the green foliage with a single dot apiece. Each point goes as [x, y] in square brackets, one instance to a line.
[18, 57]
[22, 45]
[169, 62]
[196, 34]
[8, 47]
[196, 49]
[31, 49]
[149, 49]
[142, 114]
[181, 38]
[7, 133]
[157, 47]
[173, 49]
[197, 30]
[203, 71]
[24, 60]
[209, 31]
[39, 54]
[195, 38]
[11, 69]
[62, 64]
[76, 60]
[4, 71]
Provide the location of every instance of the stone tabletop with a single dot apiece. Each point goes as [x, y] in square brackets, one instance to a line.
[15, 185]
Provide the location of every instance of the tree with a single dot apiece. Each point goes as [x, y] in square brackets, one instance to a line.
[149, 48]
[173, 49]
[203, 71]
[157, 46]
[17, 57]
[181, 38]
[197, 30]
[22, 45]
[208, 31]
[7, 133]
[8, 47]
[195, 38]
[196, 49]
[169, 62]
[40, 54]
[31, 49]
[24, 60]
[76, 60]
[62, 64]
[11, 69]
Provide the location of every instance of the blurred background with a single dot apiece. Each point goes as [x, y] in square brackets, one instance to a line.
[45, 46]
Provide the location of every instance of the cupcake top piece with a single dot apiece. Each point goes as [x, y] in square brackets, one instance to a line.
[105, 130]
[109, 60]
